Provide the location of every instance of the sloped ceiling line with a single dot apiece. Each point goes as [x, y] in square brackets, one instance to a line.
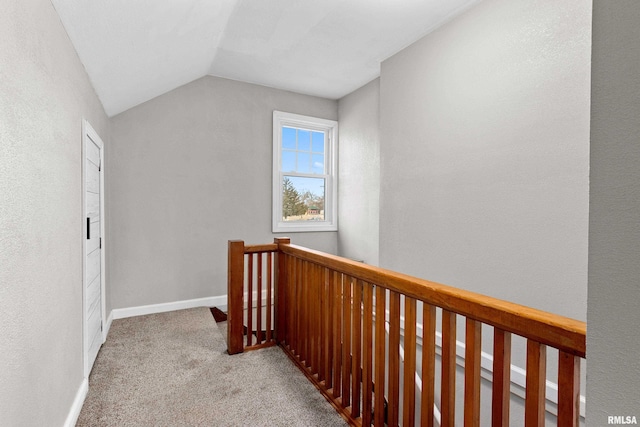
[134, 51]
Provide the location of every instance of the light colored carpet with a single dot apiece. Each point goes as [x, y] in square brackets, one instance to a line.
[172, 369]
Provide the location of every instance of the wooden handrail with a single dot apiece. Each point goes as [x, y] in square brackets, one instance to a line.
[254, 249]
[557, 331]
[340, 321]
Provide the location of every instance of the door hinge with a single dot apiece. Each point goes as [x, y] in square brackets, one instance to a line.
[101, 243]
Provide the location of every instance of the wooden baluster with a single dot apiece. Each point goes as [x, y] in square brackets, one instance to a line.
[409, 393]
[346, 340]
[299, 311]
[428, 365]
[297, 286]
[568, 390]
[312, 323]
[249, 300]
[336, 291]
[290, 301]
[394, 359]
[448, 405]
[472, 357]
[235, 293]
[281, 306]
[259, 301]
[322, 326]
[317, 305]
[307, 313]
[501, 378]
[536, 384]
[295, 306]
[367, 355]
[356, 358]
[303, 336]
[314, 303]
[327, 342]
[269, 295]
[379, 360]
[301, 326]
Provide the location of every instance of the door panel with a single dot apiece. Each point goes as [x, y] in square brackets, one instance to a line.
[94, 242]
[93, 295]
[93, 252]
[93, 179]
[93, 266]
[93, 205]
[92, 152]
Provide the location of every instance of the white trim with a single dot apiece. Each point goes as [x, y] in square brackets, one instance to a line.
[122, 313]
[330, 127]
[76, 406]
[89, 132]
[254, 299]
[518, 374]
[518, 377]
[418, 380]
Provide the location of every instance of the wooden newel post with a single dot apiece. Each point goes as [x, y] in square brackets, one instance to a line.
[280, 282]
[235, 294]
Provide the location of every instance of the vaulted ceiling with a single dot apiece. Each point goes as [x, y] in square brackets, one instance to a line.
[135, 50]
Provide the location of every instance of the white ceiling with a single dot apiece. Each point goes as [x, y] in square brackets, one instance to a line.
[135, 50]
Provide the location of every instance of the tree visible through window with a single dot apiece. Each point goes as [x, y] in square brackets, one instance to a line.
[293, 205]
[304, 179]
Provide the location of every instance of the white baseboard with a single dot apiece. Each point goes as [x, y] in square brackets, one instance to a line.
[76, 407]
[121, 313]
[518, 374]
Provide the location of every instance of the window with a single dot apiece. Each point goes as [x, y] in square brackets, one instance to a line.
[304, 173]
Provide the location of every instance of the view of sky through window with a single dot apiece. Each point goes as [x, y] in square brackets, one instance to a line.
[303, 152]
[304, 173]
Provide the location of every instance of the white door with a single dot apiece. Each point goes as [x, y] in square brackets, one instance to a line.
[93, 262]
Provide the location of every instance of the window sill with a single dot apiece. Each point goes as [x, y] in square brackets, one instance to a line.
[300, 228]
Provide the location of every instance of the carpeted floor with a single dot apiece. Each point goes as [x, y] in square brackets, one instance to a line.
[172, 369]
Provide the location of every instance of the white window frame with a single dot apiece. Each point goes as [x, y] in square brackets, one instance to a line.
[330, 127]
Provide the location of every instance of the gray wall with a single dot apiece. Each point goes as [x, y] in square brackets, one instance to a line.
[484, 148]
[614, 232]
[359, 191]
[188, 171]
[44, 94]
[485, 154]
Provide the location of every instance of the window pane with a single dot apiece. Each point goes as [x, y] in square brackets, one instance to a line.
[304, 140]
[317, 142]
[305, 149]
[303, 199]
[288, 138]
[304, 162]
[288, 161]
[318, 163]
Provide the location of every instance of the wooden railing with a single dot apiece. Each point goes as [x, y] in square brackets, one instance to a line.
[329, 315]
